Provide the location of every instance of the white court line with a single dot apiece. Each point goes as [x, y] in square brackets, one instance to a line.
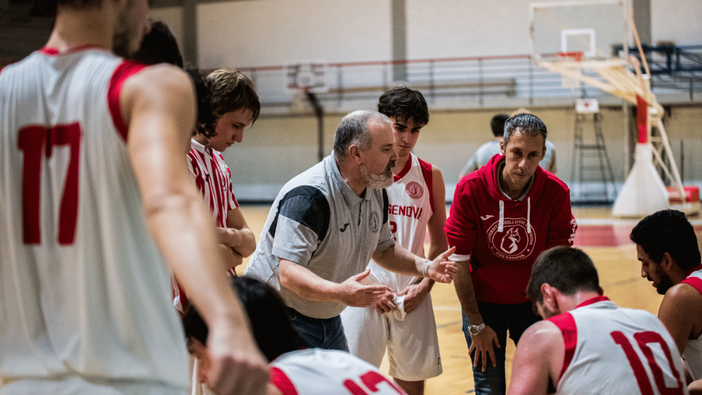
[447, 308]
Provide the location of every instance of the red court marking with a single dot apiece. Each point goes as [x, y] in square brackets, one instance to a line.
[602, 235]
[606, 235]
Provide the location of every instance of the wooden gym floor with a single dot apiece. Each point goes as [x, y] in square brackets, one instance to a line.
[604, 238]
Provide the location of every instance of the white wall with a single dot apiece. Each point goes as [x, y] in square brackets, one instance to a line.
[459, 28]
[677, 21]
[272, 32]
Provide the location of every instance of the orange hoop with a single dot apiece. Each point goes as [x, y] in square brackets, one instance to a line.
[574, 55]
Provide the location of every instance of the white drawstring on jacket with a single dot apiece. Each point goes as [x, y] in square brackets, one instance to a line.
[501, 224]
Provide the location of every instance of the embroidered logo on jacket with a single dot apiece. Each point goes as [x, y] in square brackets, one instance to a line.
[374, 222]
[513, 243]
[414, 190]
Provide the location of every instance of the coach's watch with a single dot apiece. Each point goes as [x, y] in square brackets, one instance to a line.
[476, 329]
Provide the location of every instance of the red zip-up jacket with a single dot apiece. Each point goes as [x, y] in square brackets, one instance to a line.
[503, 236]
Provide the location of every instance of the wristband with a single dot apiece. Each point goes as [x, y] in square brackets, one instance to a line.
[425, 268]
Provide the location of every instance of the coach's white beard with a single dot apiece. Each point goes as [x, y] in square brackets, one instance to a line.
[378, 181]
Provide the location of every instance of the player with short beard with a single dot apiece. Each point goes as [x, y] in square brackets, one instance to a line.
[586, 344]
[667, 247]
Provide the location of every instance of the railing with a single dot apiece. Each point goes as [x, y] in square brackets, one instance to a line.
[476, 81]
[670, 59]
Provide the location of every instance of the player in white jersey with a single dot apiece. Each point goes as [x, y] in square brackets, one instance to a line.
[586, 343]
[294, 371]
[92, 162]
[666, 245]
[404, 323]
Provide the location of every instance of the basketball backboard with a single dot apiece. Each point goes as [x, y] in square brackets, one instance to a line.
[306, 75]
[592, 27]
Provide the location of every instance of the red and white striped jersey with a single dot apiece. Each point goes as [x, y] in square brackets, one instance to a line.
[613, 350]
[213, 179]
[84, 291]
[322, 372]
[693, 350]
[410, 206]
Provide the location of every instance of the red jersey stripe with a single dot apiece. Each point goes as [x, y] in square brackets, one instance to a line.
[566, 323]
[282, 382]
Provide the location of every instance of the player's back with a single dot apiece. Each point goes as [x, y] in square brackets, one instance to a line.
[83, 290]
[319, 372]
[613, 350]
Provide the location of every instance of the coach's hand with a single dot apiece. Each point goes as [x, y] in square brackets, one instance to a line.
[385, 303]
[415, 294]
[237, 365]
[442, 269]
[355, 294]
[483, 346]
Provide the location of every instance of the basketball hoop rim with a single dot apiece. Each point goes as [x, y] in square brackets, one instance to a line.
[576, 56]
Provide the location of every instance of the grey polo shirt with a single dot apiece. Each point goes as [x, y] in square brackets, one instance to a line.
[317, 221]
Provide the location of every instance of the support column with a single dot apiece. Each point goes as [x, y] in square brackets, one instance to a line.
[190, 31]
[642, 18]
[399, 39]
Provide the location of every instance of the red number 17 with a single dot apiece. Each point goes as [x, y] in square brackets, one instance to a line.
[36, 142]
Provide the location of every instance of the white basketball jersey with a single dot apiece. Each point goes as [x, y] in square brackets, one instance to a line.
[323, 372]
[410, 208]
[613, 350]
[83, 289]
[693, 350]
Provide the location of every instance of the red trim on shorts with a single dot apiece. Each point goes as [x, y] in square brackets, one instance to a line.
[125, 70]
[695, 282]
[593, 301]
[428, 178]
[282, 382]
[566, 323]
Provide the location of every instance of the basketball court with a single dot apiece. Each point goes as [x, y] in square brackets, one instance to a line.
[603, 237]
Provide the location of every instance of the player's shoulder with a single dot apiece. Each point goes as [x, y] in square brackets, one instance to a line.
[543, 334]
[429, 166]
[683, 293]
[489, 146]
[160, 78]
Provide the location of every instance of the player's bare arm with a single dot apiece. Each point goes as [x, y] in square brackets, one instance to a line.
[230, 258]
[537, 360]
[416, 293]
[484, 342]
[238, 235]
[158, 105]
[398, 259]
[310, 286]
[681, 312]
